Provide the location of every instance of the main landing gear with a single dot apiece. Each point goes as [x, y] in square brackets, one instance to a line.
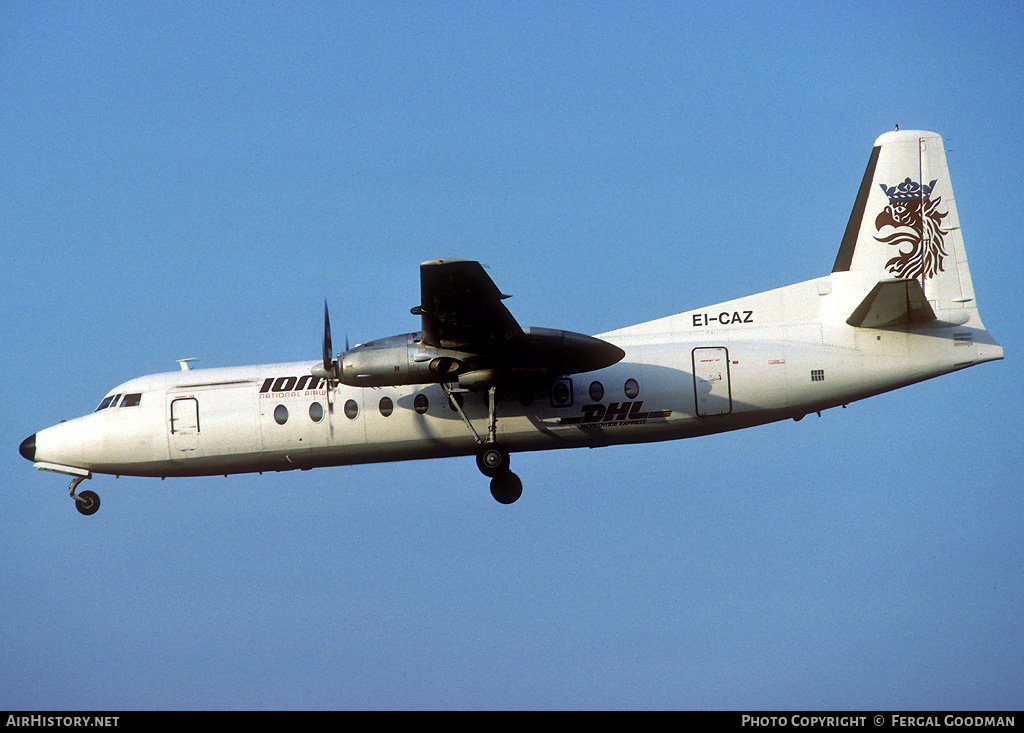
[87, 502]
[491, 459]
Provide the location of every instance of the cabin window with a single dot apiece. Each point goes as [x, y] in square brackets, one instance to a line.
[420, 404]
[386, 406]
[596, 391]
[316, 412]
[561, 393]
[631, 388]
[132, 400]
[281, 414]
[351, 409]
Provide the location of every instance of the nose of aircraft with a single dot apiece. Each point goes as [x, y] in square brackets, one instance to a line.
[28, 447]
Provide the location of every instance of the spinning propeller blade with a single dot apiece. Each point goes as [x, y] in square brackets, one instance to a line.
[328, 355]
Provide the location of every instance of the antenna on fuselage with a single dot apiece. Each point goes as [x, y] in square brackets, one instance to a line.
[184, 363]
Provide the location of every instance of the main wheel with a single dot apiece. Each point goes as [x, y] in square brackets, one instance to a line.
[87, 502]
[506, 487]
[492, 460]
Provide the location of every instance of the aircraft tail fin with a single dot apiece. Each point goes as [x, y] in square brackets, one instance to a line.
[904, 225]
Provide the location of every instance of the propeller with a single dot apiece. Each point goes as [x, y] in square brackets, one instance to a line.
[329, 365]
[330, 369]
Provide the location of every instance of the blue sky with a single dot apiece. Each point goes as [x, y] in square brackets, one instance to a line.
[182, 180]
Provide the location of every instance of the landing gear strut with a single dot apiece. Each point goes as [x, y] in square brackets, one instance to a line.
[87, 502]
[491, 458]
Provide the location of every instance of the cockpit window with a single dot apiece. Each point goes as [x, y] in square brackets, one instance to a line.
[130, 400]
[108, 401]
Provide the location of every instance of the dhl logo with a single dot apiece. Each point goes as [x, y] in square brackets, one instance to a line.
[616, 413]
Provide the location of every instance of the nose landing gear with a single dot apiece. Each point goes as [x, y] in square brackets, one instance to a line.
[87, 502]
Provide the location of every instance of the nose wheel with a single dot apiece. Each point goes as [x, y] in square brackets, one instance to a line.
[87, 502]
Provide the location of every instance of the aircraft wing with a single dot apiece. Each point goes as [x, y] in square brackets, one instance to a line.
[461, 308]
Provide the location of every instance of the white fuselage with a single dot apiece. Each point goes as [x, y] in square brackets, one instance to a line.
[772, 356]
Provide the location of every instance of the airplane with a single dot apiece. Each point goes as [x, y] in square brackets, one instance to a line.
[897, 308]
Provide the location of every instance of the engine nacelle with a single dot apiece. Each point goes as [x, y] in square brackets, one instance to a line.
[478, 379]
[398, 360]
[405, 359]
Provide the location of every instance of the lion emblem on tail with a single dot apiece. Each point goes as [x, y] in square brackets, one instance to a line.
[917, 229]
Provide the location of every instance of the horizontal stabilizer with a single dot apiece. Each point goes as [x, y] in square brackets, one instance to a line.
[892, 303]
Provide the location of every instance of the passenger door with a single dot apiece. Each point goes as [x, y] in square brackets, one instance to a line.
[184, 425]
[711, 388]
